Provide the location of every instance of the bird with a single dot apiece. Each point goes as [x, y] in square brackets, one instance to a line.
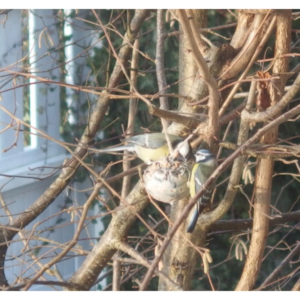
[205, 165]
[150, 147]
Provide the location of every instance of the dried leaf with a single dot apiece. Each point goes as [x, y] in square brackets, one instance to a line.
[237, 251]
[205, 263]
[263, 100]
[244, 246]
[209, 258]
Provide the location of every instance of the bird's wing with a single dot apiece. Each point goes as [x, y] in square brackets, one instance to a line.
[203, 173]
[200, 174]
[152, 140]
[128, 147]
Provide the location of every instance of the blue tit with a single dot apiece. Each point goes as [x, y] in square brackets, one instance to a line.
[150, 147]
[205, 165]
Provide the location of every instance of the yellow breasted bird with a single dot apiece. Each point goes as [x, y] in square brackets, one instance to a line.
[205, 165]
[150, 147]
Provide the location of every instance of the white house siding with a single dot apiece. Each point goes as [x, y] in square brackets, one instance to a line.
[20, 166]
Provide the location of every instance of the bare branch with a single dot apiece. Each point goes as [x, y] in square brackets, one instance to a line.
[116, 272]
[278, 269]
[259, 11]
[262, 43]
[264, 173]
[297, 286]
[242, 59]
[214, 96]
[202, 46]
[117, 230]
[178, 117]
[211, 217]
[160, 73]
[72, 242]
[242, 29]
[246, 224]
[125, 248]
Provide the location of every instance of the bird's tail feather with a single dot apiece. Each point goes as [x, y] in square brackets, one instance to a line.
[194, 219]
[197, 211]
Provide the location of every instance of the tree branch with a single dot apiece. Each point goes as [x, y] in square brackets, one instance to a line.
[266, 151]
[273, 111]
[296, 287]
[239, 225]
[160, 64]
[264, 173]
[209, 218]
[103, 251]
[72, 243]
[278, 269]
[127, 249]
[258, 50]
[214, 95]
[177, 117]
[242, 30]
[238, 164]
[244, 56]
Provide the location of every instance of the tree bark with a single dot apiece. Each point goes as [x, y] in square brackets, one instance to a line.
[264, 175]
[179, 258]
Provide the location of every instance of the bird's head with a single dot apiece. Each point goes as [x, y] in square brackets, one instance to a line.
[204, 155]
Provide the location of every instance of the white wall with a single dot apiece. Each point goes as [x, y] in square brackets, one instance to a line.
[20, 166]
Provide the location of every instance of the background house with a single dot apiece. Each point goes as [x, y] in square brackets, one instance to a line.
[54, 47]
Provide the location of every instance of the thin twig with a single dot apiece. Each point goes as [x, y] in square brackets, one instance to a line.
[74, 240]
[278, 269]
[127, 249]
[116, 272]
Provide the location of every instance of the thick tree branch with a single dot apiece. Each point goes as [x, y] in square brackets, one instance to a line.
[264, 173]
[133, 105]
[160, 64]
[214, 95]
[89, 271]
[259, 11]
[177, 117]
[244, 56]
[245, 72]
[239, 225]
[296, 287]
[118, 228]
[47, 283]
[263, 185]
[238, 164]
[179, 259]
[242, 30]
[202, 46]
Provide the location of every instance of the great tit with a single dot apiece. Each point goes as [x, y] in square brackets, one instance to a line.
[205, 165]
[150, 147]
